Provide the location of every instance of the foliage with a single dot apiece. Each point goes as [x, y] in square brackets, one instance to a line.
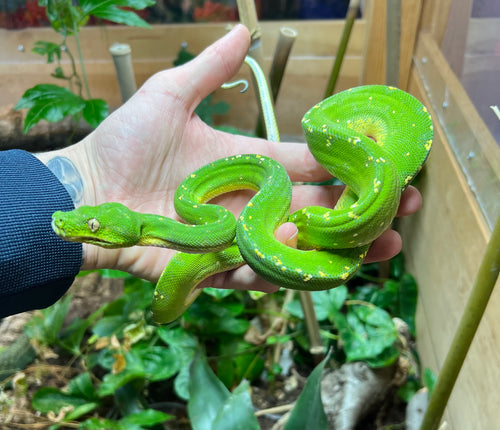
[205, 359]
[53, 102]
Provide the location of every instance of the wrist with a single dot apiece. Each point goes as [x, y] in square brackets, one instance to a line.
[71, 165]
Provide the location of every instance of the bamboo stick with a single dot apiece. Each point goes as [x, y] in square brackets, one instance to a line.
[285, 42]
[393, 42]
[121, 54]
[352, 13]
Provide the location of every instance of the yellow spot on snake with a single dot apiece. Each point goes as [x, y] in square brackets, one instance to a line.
[428, 145]
[408, 179]
[193, 175]
[307, 278]
[344, 276]
[352, 215]
[258, 253]
[321, 274]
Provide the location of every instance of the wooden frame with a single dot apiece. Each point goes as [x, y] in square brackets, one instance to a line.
[444, 241]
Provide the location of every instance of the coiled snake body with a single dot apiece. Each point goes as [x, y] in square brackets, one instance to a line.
[375, 139]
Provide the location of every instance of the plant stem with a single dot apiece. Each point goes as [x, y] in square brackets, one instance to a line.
[352, 13]
[471, 317]
[281, 54]
[80, 57]
[393, 41]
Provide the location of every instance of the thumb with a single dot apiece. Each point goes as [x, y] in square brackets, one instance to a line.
[215, 65]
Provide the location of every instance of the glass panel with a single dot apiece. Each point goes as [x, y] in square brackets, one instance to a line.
[481, 71]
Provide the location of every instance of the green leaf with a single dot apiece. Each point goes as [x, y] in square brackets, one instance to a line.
[95, 111]
[218, 293]
[107, 326]
[408, 390]
[308, 412]
[110, 10]
[81, 386]
[239, 361]
[207, 394]
[206, 109]
[48, 399]
[71, 337]
[102, 423]
[237, 412]
[159, 362]
[114, 274]
[49, 49]
[408, 293]
[183, 57]
[212, 406]
[49, 102]
[366, 332]
[46, 326]
[397, 266]
[181, 382]
[325, 302]
[430, 379]
[146, 418]
[178, 338]
[58, 73]
[133, 370]
[154, 363]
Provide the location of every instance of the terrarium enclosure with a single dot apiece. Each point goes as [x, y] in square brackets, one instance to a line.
[448, 57]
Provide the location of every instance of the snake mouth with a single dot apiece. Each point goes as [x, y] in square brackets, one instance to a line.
[63, 234]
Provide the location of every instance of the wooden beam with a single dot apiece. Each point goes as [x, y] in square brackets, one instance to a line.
[444, 243]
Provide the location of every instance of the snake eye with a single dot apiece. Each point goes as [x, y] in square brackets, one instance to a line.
[93, 225]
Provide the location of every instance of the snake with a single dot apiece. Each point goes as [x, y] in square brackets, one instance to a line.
[373, 138]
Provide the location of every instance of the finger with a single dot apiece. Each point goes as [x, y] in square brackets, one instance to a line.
[387, 245]
[215, 65]
[295, 157]
[411, 201]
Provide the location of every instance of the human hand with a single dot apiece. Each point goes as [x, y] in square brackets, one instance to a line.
[140, 154]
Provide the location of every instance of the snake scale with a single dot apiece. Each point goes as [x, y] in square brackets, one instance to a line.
[375, 139]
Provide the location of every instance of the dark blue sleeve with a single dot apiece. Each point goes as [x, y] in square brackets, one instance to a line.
[36, 267]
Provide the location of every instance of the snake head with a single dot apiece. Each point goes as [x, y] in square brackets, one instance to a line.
[109, 225]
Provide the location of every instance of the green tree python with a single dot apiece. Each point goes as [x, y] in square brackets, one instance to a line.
[373, 138]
